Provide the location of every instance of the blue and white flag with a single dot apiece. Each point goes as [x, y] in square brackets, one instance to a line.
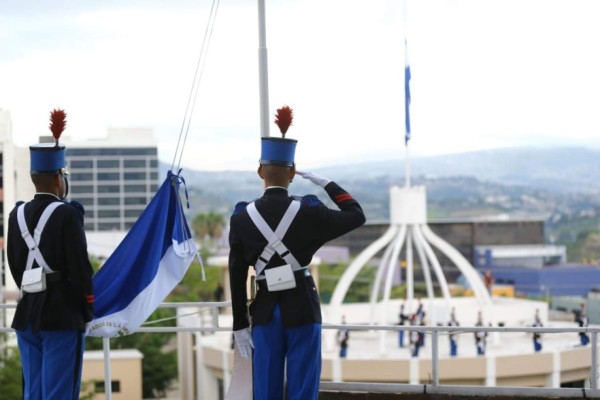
[406, 96]
[146, 266]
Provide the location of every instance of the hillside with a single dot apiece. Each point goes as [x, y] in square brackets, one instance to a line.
[559, 185]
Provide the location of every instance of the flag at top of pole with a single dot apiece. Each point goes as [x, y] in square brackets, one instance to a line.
[406, 95]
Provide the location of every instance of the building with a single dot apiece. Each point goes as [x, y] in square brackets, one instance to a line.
[114, 178]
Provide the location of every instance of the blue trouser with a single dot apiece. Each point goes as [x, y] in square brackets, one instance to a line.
[343, 352]
[584, 339]
[273, 345]
[51, 362]
[401, 338]
[537, 345]
[453, 348]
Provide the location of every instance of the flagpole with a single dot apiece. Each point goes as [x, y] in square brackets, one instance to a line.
[407, 171]
[263, 74]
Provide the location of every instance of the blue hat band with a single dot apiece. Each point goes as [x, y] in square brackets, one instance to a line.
[278, 151]
[46, 159]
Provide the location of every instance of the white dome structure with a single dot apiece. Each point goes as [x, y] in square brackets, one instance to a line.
[409, 231]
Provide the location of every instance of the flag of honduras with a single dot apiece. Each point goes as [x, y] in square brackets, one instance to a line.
[150, 261]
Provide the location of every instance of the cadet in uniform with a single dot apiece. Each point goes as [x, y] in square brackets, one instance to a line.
[47, 255]
[278, 234]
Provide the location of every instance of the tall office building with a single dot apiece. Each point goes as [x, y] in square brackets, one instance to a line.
[114, 178]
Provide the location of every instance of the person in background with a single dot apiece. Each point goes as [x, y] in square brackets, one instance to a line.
[537, 337]
[488, 281]
[480, 336]
[48, 259]
[402, 318]
[452, 335]
[582, 320]
[343, 337]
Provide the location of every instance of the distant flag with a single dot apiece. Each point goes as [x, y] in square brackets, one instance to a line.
[150, 261]
[406, 95]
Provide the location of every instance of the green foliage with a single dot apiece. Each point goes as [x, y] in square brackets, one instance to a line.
[208, 228]
[10, 372]
[585, 248]
[159, 365]
[360, 290]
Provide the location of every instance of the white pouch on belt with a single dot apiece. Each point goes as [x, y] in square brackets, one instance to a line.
[280, 278]
[34, 280]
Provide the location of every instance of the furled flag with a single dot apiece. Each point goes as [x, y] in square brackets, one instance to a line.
[406, 97]
[146, 266]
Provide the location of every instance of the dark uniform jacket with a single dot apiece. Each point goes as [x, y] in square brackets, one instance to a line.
[314, 225]
[67, 302]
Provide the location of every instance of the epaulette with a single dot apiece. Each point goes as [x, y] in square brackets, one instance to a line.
[311, 200]
[239, 207]
[78, 206]
[19, 203]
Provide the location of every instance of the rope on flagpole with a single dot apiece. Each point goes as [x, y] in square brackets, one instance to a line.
[189, 110]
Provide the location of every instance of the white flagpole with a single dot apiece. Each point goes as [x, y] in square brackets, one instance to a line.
[263, 73]
[407, 172]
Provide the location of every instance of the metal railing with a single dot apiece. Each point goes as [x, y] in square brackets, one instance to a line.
[433, 387]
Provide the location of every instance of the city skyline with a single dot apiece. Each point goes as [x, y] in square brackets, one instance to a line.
[484, 75]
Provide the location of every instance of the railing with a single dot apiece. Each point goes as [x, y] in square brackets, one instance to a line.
[433, 387]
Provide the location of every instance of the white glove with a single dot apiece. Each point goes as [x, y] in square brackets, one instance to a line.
[243, 341]
[314, 178]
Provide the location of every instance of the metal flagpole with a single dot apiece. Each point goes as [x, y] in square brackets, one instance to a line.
[406, 102]
[107, 376]
[263, 73]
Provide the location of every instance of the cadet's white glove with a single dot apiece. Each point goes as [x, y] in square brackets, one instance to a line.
[314, 178]
[243, 341]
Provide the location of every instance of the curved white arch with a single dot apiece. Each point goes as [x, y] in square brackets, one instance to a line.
[425, 267]
[380, 270]
[434, 262]
[339, 293]
[463, 265]
[390, 273]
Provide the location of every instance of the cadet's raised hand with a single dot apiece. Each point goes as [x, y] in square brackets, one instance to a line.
[314, 178]
[243, 341]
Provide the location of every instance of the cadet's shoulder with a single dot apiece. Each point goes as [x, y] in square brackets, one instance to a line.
[239, 208]
[311, 201]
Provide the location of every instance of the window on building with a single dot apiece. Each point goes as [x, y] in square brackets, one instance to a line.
[134, 176]
[108, 163]
[115, 386]
[109, 188]
[132, 213]
[81, 164]
[135, 188]
[109, 226]
[76, 176]
[81, 189]
[109, 201]
[135, 200]
[153, 163]
[134, 163]
[108, 176]
[86, 201]
[109, 214]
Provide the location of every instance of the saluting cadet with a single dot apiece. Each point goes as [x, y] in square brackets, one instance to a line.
[47, 255]
[452, 335]
[278, 234]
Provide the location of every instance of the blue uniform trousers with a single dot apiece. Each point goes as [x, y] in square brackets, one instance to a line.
[273, 345]
[453, 348]
[51, 362]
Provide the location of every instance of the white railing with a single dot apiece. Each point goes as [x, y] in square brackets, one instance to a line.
[432, 388]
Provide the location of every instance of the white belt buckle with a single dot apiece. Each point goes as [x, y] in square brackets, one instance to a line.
[280, 278]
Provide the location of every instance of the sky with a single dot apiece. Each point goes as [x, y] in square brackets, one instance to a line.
[485, 74]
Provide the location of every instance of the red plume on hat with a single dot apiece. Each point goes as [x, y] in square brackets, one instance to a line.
[58, 122]
[284, 118]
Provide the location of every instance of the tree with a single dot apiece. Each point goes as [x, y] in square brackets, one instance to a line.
[208, 228]
[159, 365]
[11, 380]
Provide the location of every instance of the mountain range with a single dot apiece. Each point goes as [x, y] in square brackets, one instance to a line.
[524, 181]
